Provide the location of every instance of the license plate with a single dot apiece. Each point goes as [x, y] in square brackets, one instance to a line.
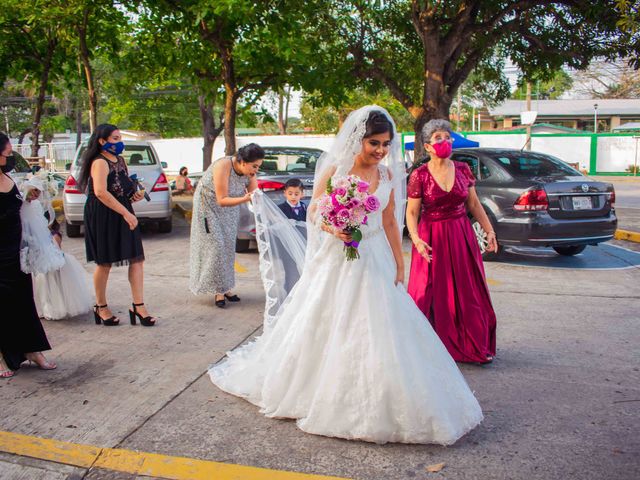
[581, 203]
[308, 192]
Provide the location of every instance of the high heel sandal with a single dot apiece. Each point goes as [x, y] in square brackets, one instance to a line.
[220, 303]
[232, 298]
[107, 322]
[45, 365]
[5, 371]
[147, 321]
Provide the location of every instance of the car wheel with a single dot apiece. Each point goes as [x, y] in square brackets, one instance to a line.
[242, 245]
[73, 231]
[571, 250]
[481, 236]
[165, 226]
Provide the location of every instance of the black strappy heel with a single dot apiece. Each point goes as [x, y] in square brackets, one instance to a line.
[144, 321]
[232, 298]
[107, 322]
[220, 303]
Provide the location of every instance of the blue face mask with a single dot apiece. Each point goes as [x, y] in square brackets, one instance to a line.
[115, 148]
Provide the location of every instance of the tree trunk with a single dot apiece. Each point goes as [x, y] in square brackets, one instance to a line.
[88, 71]
[42, 91]
[282, 127]
[230, 112]
[436, 108]
[210, 131]
[78, 105]
[284, 96]
[23, 133]
[436, 101]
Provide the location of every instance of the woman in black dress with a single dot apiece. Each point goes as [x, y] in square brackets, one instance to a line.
[112, 235]
[21, 334]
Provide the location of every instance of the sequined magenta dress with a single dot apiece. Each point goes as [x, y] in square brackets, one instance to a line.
[452, 290]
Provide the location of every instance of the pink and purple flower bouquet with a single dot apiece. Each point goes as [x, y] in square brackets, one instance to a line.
[345, 206]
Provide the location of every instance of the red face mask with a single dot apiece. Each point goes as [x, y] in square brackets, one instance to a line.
[443, 149]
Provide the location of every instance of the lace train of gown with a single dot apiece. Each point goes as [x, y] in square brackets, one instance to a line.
[352, 356]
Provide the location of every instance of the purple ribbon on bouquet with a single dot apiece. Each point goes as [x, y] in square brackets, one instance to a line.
[352, 243]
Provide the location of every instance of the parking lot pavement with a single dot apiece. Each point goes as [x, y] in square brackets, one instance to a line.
[561, 401]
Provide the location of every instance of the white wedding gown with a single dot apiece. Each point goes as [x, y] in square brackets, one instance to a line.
[351, 355]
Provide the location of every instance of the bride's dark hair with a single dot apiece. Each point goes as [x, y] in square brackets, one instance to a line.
[378, 123]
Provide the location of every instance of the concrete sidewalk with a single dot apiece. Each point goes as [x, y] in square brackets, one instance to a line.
[560, 401]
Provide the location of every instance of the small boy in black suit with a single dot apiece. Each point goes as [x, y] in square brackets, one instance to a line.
[293, 208]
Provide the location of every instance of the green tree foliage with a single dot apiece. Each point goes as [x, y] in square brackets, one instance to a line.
[319, 118]
[423, 51]
[32, 50]
[546, 87]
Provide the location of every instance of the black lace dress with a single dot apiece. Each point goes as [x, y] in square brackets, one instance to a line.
[20, 328]
[107, 237]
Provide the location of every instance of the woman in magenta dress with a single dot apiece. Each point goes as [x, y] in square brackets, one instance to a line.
[447, 279]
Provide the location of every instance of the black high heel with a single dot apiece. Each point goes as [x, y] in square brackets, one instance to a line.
[232, 298]
[108, 322]
[148, 321]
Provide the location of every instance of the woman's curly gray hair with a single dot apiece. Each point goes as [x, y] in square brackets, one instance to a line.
[433, 126]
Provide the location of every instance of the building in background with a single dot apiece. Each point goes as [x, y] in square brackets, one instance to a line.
[577, 114]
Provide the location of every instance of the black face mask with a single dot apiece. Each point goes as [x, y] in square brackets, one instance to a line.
[11, 163]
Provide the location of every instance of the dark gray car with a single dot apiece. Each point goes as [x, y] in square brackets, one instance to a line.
[534, 199]
[280, 164]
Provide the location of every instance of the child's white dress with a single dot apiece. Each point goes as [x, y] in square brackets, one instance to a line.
[61, 284]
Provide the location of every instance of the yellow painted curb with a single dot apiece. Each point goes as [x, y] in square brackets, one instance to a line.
[140, 463]
[627, 235]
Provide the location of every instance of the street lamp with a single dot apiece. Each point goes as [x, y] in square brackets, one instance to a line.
[595, 118]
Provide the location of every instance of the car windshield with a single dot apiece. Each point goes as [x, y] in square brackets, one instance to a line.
[134, 155]
[289, 161]
[527, 165]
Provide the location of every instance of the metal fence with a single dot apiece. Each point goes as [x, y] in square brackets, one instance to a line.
[52, 156]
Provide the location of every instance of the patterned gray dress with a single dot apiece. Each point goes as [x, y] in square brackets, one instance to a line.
[213, 234]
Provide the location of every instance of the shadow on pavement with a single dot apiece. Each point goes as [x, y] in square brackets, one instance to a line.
[603, 257]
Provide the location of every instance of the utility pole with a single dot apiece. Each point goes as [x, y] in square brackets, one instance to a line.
[528, 142]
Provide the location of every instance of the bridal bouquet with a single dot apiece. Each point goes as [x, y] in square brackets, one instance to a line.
[345, 206]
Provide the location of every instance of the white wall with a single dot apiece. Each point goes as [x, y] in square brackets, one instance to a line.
[570, 149]
[615, 154]
[187, 152]
[499, 141]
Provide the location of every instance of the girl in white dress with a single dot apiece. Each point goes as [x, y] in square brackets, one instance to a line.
[61, 284]
[348, 353]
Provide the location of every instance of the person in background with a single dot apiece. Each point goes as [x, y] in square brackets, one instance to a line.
[292, 207]
[183, 183]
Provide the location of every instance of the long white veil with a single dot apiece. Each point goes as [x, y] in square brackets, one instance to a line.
[281, 242]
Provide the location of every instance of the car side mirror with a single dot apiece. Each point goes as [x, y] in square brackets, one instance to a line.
[164, 164]
[67, 167]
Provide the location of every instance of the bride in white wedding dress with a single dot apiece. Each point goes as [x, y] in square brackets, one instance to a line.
[348, 354]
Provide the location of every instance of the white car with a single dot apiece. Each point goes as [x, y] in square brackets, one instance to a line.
[142, 160]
